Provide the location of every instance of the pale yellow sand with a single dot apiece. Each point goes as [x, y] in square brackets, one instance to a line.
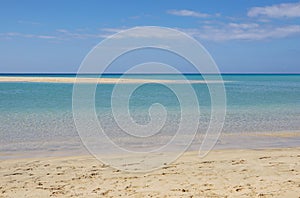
[223, 173]
[97, 80]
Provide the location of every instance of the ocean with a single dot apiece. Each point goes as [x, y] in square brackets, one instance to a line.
[263, 110]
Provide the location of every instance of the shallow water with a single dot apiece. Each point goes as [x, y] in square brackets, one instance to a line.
[38, 116]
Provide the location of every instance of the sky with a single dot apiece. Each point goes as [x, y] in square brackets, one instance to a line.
[249, 36]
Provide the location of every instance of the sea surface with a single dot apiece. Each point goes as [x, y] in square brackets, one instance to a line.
[36, 118]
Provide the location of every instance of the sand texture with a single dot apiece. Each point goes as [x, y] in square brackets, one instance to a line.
[223, 173]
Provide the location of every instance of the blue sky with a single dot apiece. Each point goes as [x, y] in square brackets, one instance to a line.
[242, 36]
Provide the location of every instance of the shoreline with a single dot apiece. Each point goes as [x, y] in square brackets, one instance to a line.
[100, 80]
[226, 141]
[222, 173]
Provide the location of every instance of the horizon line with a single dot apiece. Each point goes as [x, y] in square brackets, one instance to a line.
[190, 73]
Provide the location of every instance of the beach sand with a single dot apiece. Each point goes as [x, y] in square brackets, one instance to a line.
[99, 80]
[222, 173]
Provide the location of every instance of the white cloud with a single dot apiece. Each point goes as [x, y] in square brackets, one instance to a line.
[190, 13]
[213, 32]
[243, 32]
[66, 35]
[45, 37]
[222, 32]
[112, 30]
[243, 25]
[62, 30]
[9, 35]
[144, 33]
[276, 11]
[60, 34]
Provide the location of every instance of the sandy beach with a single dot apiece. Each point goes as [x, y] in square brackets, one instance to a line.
[222, 173]
[99, 80]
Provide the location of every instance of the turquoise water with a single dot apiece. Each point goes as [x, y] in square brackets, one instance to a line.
[38, 116]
